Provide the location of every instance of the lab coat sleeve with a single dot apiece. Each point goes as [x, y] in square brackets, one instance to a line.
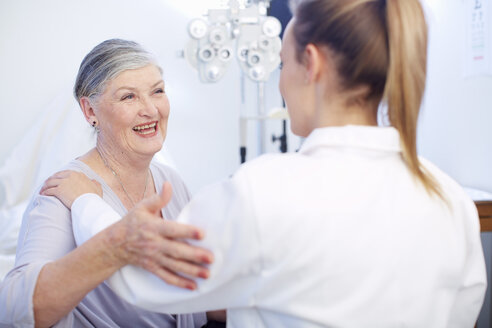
[226, 213]
[90, 215]
[470, 296]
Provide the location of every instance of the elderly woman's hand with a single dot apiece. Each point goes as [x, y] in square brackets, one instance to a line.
[146, 240]
[68, 185]
[142, 237]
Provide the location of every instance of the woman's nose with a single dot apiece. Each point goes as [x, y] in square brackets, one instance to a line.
[148, 107]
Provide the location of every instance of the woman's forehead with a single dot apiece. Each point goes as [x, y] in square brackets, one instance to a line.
[139, 77]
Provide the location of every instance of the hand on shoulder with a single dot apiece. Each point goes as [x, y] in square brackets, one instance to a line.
[144, 239]
[68, 185]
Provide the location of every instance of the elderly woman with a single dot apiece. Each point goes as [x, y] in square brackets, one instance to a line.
[122, 95]
[354, 230]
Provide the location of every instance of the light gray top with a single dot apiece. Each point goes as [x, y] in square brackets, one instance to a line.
[46, 235]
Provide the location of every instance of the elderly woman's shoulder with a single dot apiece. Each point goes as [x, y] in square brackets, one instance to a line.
[162, 173]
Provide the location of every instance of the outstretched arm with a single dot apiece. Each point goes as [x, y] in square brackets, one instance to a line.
[166, 255]
[64, 282]
[144, 240]
[225, 212]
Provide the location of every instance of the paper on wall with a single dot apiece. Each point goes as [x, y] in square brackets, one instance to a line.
[478, 52]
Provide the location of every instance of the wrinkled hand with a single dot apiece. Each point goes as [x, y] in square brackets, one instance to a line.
[68, 185]
[146, 240]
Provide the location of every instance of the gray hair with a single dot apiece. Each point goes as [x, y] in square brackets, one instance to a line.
[105, 62]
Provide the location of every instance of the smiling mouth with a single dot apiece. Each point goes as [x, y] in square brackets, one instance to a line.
[146, 128]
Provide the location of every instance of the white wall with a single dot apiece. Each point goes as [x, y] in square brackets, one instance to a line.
[455, 126]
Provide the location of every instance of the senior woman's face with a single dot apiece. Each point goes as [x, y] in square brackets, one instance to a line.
[133, 111]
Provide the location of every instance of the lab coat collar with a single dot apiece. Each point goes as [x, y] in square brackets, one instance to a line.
[357, 136]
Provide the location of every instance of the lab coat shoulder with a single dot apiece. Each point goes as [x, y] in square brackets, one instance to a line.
[226, 212]
[269, 169]
[471, 293]
[269, 162]
[276, 192]
[230, 213]
[460, 203]
[222, 201]
[462, 208]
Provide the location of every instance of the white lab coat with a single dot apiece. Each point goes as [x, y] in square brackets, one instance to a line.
[339, 234]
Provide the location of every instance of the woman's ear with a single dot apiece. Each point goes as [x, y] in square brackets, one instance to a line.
[313, 61]
[88, 111]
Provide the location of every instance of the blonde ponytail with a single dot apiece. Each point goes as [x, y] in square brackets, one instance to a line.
[405, 83]
[381, 44]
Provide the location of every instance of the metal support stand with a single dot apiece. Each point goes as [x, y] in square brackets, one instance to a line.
[282, 138]
[261, 123]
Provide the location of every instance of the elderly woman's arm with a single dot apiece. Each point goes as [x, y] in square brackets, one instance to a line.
[62, 284]
[161, 248]
[51, 277]
[226, 212]
[55, 292]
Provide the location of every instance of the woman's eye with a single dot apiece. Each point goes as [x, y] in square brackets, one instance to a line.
[281, 65]
[160, 90]
[128, 96]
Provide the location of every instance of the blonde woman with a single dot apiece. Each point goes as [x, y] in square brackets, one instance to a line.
[354, 230]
